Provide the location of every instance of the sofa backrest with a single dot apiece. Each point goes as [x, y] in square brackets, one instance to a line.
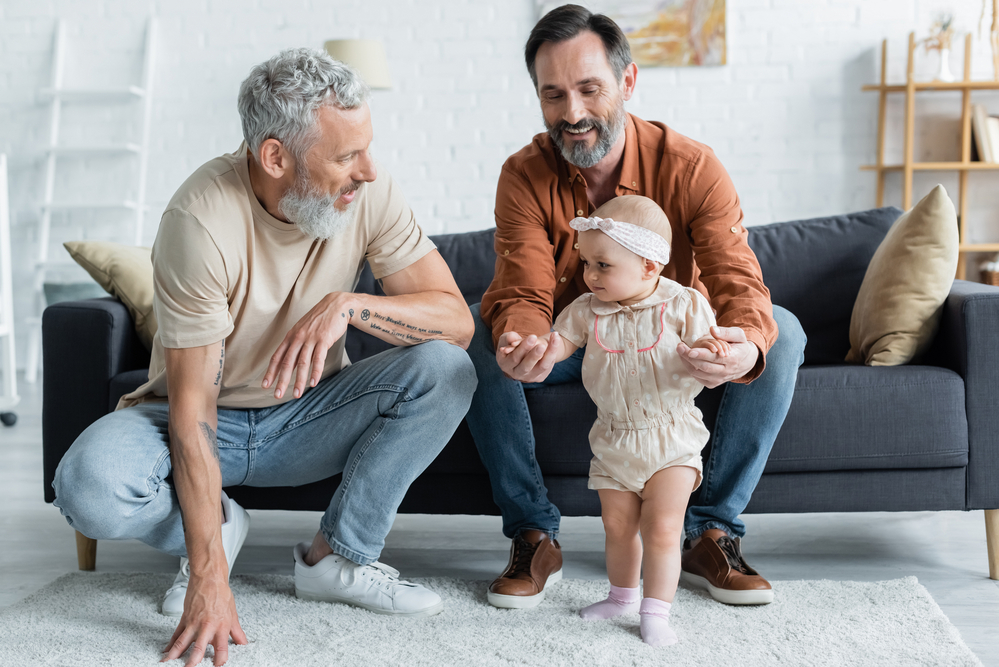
[813, 268]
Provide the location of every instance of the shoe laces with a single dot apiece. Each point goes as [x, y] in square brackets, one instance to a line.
[383, 576]
[523, 555]
[734, 555]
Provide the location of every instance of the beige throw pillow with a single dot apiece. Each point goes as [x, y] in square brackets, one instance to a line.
[898, 308]
[125, 272]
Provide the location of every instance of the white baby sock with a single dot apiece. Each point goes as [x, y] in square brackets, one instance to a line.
[655, 623]
[619, 601]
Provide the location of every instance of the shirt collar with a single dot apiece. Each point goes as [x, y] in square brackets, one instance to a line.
[629, 159]
[667, 290]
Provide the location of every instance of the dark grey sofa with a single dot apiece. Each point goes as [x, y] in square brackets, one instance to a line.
[917, 437]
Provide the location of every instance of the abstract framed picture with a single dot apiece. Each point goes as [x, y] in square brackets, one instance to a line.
[665, 33]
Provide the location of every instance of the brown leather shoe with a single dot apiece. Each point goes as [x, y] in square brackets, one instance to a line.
[535, 562]
[716, 563]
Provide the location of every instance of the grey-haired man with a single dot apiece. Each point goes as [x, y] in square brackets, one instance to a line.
[254, 265]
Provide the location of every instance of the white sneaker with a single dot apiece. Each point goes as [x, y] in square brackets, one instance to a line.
[374, 587]
[236, 523]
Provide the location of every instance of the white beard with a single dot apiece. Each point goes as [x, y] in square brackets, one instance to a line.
[315, 213]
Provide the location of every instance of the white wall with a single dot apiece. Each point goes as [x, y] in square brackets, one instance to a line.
[786, 115]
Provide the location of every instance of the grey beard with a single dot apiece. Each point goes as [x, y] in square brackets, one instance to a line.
[314, 212]
[579, 154]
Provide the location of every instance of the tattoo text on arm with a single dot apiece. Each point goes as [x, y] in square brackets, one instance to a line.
[409, 327]
[407, 337]
[218, 376]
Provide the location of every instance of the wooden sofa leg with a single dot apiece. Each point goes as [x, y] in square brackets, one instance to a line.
[86, 552]
[992, 539]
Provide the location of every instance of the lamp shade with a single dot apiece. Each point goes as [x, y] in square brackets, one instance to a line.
[367, 56]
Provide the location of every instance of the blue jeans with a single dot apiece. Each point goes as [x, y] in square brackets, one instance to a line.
[380, 422]
[749, 419]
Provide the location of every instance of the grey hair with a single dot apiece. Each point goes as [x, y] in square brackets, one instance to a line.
[280, 97]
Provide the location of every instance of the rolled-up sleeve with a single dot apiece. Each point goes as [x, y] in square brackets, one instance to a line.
[728, 267]
[520, 297]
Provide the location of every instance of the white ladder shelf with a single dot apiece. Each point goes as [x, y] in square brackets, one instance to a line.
[57, 95]
[8, 389]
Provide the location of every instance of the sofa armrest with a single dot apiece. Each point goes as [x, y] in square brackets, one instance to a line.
[967, 343]
[84, 345]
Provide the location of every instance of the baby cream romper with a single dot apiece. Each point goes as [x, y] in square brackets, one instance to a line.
[646, 419]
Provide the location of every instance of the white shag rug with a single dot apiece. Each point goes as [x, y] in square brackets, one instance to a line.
[112, 619]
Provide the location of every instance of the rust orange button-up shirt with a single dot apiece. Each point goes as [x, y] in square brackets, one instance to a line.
[538, 272]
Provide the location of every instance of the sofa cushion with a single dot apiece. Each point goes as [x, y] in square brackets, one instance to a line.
[125, 272]
[898, 308]
[858, 417]
[804, 259]
[125, 383]
[472, 260]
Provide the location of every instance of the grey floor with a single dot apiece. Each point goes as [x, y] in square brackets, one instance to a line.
[945, 550]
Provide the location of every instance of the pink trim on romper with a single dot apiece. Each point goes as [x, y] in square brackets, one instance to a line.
[662, 328]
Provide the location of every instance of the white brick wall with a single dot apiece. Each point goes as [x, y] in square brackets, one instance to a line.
[786, 116]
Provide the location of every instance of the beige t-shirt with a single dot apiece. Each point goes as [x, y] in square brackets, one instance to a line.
[224, 268]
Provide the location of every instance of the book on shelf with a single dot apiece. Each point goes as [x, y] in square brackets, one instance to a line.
[992, 132]
[985, 135]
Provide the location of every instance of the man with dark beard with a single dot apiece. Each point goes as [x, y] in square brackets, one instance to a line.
[594, 151]
[255, 262]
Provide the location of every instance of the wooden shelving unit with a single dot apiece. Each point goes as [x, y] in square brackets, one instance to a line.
[908, 166]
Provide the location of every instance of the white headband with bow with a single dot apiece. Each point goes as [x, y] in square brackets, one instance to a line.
[639, 240]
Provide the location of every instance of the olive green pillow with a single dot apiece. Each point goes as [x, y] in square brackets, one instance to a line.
[898, 308]
[125, 272]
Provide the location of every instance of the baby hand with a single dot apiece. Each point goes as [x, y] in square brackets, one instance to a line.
[719, 347]
[511, 344]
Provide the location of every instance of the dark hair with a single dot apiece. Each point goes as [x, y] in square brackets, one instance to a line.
[565, 22]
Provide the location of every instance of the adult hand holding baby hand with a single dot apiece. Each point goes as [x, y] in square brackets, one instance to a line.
[712, 369]
[527, 359]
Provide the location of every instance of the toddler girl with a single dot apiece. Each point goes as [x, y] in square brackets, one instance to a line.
[648, 436]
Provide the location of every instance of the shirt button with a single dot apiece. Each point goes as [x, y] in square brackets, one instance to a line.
[634, 372]
[633, 184]
[579, 212]
[735, 230]
[506, 252]
[630, 344]
[637, 402]
[575, 246]
[631, 315]
[562, 279]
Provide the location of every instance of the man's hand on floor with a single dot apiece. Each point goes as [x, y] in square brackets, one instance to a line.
[209, 618]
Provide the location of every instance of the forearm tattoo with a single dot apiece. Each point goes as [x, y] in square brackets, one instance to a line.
[213, 442]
